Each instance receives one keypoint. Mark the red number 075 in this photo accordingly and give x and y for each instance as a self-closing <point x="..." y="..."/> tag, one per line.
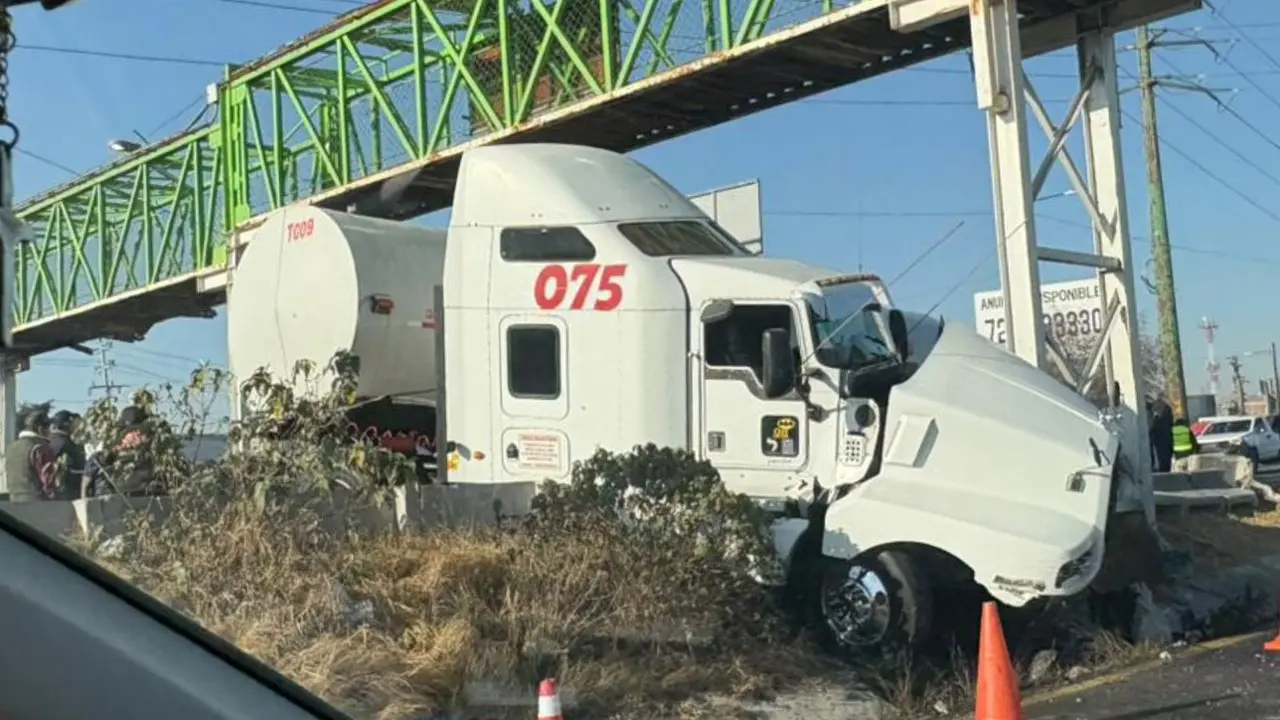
<point x="589" y="281"/>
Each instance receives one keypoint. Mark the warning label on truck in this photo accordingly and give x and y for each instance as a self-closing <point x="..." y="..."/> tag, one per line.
<point x="539" y="451"/>
<point x="780" y="436"/>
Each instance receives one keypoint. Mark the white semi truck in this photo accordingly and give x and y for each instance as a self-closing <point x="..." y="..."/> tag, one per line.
<point x="577" y="301"/>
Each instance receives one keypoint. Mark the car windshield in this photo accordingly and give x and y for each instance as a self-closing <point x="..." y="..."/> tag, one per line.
<point x="848" y="325"/>
<point x="1229" y="426"/>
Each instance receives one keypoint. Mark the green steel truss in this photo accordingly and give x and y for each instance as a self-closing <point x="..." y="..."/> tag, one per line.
<point x="389" y="83"/>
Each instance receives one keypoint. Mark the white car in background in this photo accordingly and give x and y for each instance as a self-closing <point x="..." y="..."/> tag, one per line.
<point x="1256" y="433"/>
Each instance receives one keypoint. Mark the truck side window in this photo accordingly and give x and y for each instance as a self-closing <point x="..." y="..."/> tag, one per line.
<point x="533" y="361"/>
<point x="735" y="340"/>
<point x="681" y="237"/>
<point x="545" y="244"/>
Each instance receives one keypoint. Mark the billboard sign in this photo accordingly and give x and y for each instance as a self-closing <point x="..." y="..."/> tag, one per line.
<point x="737" y="209"/>
<point x="1073" y="312"/>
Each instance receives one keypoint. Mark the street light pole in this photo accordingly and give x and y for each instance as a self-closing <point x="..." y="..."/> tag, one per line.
<point x="1275" y="381"/>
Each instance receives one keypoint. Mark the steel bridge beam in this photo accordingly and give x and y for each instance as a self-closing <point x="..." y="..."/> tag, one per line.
<point x="372" y="112"/>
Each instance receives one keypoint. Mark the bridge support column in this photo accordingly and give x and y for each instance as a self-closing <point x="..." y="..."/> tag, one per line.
<point x="1008" y="97"/>
<point x="8" y="415"/>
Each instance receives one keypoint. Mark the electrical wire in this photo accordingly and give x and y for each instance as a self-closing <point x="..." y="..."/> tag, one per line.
<point x="262" y="4"/>
<point x="1245" y="37"/>
<point x="1246" y="77"/>
<point x="42" y="159"/>
<point x="1224" y="108"/>
<point x="909" y="103"/>
<point x="185" y="109"/>
<point x="1039" y="215"/>
<point x="1223" y="143"/>
<point x="1164" y="142"/>
<point x="167" y="59"/>
<point x="880" y="213"/>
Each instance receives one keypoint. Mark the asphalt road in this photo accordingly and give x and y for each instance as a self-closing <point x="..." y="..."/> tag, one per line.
<point x="1226" y="680"/>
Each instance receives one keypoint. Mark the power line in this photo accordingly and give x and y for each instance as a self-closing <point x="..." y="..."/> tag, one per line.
<point x="47" y="161"/>
<point x="279" y="6"/>
<point x="1224" y="144"/>
<point x="1256" y="25"/>
<point x="168" y="59"/>
<point x="1062" y="75"/>
<point x="159" y="354"/>
<point x="1209" y="173"/>
<point x="881" y="213"/>
<point x="927" y="103"/>
<point x="1225" y="108"/>
<point x="1246" y="77"/>
<point x="180" y="113"/>
<point x="987" y="213"/>
<point x="143" y="371"/>
<point x="1245" y="36"/>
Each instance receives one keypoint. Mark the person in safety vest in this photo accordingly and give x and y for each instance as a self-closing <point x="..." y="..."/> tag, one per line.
<point x="29" y="462"/>
<point x="1184" y="441"/>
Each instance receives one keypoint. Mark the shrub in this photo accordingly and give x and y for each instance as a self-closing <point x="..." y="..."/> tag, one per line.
<point x="633" y="583"/>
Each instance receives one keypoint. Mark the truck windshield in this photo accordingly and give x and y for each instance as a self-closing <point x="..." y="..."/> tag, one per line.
<point x="681" y="237"/>
<point x="849" y="328"/>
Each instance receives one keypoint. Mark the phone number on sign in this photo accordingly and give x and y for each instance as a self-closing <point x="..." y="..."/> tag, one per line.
<point x="1069" y="324"/>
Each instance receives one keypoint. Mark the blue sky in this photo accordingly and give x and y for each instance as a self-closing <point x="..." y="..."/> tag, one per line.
<point x="873" y="173"/>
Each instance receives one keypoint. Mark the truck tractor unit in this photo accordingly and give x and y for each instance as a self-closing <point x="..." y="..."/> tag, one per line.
<point x="578" y="301"/>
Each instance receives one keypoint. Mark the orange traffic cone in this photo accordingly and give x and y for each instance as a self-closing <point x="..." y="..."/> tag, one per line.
<point x="1273" y="645"/>
<point x="549" y="701"/>
<point x="998" y="697"/>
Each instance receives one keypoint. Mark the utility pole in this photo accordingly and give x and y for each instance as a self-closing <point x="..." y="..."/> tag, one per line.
<point x="1161" y="254"/>
<point x="1275" y="381"/>
<point x="103" y="369"/>
<point x="1237" y="380"/>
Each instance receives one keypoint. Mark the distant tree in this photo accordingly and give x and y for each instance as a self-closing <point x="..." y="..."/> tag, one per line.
<point x="1078" y="351"/>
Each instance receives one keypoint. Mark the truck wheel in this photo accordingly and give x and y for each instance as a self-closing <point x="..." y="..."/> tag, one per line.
<point x="877" y="606"/>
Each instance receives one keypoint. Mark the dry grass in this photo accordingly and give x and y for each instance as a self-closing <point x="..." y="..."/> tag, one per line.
<point x="1218" y="541"/>
<point x="626" y="624"/>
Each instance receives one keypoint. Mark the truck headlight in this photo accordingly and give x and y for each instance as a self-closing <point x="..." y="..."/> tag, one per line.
<point x="1073" y="569"/>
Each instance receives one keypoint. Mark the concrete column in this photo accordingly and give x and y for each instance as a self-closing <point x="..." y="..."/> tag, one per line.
<point x="8" y="416"/>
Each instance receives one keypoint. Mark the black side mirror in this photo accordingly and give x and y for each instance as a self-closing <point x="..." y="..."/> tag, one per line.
<point x="849" y="385"/>
<point x="779" y="363"/>
<point x="898" y="331"/>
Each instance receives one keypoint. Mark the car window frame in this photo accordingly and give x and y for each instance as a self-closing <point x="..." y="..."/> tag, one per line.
<point x="127" y="648"/>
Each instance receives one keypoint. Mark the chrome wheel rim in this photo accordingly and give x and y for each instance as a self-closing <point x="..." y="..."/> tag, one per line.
<point x="857" y="608"/>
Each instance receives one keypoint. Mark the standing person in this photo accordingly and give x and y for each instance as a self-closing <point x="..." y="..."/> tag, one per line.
<point x="1182" y="439"/>
<point x="29" y="462"/>
<point x="69" y="454"/>
<point x="1161" y="432"/>
<point x="127" y="468"/>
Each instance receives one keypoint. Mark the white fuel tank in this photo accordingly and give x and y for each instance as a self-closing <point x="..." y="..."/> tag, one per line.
<point x="314" y="282"/>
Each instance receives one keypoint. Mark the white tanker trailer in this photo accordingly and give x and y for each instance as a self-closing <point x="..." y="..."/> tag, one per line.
<point x="322" y="283"/>
<point x="578" y="301"/>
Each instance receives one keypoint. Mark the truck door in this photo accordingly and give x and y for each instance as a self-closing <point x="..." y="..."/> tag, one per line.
<point x="534" y="397"/>
<point x="758" y="444"/>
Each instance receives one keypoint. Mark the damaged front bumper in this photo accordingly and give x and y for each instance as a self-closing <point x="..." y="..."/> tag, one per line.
<point x="1066" y="573"/>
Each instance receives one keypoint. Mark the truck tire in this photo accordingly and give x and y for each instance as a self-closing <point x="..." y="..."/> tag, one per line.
<point x="872" y="607"/>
